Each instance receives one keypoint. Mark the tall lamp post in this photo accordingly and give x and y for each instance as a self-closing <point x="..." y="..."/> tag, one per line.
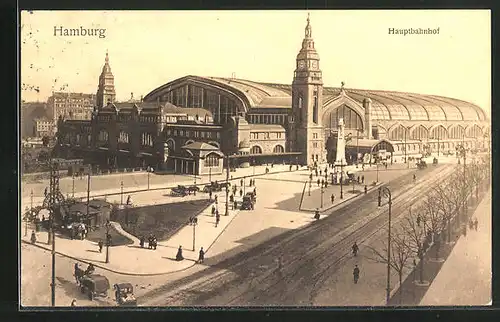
<point x="357" y="148"/>
<point x="121" y="192"/>
<point x="73" y="188"/>
<point x="386" y="193"/>
<point x="194" y="234"/>
<point x="27" y="212"/>
<point x="149" y="173"/>
<point x="108" y="240"/>
<point x="322" y="192"/>
<point x="227" y="183"/>
<point x="341" y="180"/>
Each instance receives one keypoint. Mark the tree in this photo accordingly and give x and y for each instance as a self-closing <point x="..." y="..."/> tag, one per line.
<point x="448" y="198"/>
<point x="415" y="240"/>
<point x="400" y="256"/>
<point x="433" y="220"/>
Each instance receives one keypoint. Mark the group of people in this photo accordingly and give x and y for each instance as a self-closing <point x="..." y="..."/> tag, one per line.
<point x="152" y="241"/>
<point x="201" y="255"/>
<point x="473" y="224"/>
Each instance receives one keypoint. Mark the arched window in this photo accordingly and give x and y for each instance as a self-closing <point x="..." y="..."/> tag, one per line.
<point x="398" y="133"/>
<point x="457" y="132"/>
<point x="123" y="137"/>
<point x="419" y="133"/>
<point x="279" y="149"/>
<point x="146" y="139"/>
<point x="351" y="119"/>
<point x="89" y="139"/>
<point x="78" y="138"/>
<point x="103" y="136"/>
<point x="256" y="150"/>
<point x="438" y="132"/>
<point x="212" y="160"/>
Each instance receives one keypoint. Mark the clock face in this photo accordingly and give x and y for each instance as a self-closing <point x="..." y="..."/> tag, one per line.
<point x="302" y="64"/>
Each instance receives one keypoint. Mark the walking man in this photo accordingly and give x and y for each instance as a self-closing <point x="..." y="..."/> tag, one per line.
<point x="362" y="179"/>
<point x="241" y="182"/>
<point x="100" y="244"/>
<point x="318" y="182"/>
<point x="210" y="195"/>
<point x="355" y="274"/>
<point x="332" y="198"/>
<point x="73" y="303"/>
<point x="213" y="210"/>
<point x="241" y="192"/>
<point x="366" y="189"/>
<point x="217" y="219"/>
<point x="355" y="249"/>
<point x="201" y="256"/>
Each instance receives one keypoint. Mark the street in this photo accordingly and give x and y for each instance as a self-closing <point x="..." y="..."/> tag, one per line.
<point x="308" y="257"/>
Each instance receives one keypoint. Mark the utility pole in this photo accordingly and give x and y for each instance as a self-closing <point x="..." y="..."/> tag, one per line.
<point x="322" y="192"/>
<point x="341" y="179"/>
<point x="149" y="172"/>
<point x="73" y="189"/>
<point x="88" y="191"/>
<point x="108" y="240"/>
<point x="387" y="193"/>
<point x="31" y="198"/>
<point x="377" y="168"/>
<point x="121" y="192"/>
<point x="210" y="174"/>
<point x="194" y="235"/>
<point x="227" y="187"/>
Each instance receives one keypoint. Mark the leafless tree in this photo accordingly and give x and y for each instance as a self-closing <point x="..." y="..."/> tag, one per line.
<point x="400" y="256"/>
<point x="415" y="241"/>
<point x="433" y="220"/>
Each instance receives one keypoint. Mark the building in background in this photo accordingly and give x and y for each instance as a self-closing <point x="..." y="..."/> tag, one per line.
<point x="71" y="106"/>
<point x="264" y="122"/>
<point x="43" y="127"/>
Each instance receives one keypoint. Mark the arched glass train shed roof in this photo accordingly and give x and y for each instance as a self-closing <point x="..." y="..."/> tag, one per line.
<point x="386" y="105"/>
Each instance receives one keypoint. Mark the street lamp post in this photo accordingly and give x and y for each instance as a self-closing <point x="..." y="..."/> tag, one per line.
<point x="194" y="191"/>
<point x="227" y="183"/>
<point x="194" y="235"/>
<point x="121" y="192"/>
<point x="406" y="154"/>
<point x="357" y="148"/>
<point x="108" y="240"/>
<point x="377" y="169"/>
<point x="27" y="211"/>
<point x="341" y="180"/>
<point x="149" y="172"/>
<point x="210" y="174"/>
<point x="73" y="189"/>
<point x="322" y="192"/>
<point x="387" y="194"/>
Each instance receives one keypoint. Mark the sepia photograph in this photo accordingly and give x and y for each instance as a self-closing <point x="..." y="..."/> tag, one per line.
<point x="260" y="158"/>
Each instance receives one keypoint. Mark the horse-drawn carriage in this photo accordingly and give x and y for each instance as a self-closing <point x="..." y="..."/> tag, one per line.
<point x="179" y="191"/>
<point x="216" y="186"/>
<point x="124" y="294"/>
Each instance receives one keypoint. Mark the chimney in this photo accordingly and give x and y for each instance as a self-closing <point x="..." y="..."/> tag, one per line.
<point x="367" y="105"/>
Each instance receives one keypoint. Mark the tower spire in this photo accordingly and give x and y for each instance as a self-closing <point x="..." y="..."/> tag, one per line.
<point x="308" y="32"/>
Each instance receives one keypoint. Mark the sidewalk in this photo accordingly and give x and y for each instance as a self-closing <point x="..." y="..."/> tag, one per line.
<point x="465" y="277"/>
<point x="133" y="260"/>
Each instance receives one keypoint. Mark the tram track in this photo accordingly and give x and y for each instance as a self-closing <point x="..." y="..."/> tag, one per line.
<point x="328" y="256"/>
<point x="241" y="269"/>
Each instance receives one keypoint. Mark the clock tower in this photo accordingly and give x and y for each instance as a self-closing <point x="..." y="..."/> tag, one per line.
<point x="106" y="89"/>
<point x="307" y="103"/>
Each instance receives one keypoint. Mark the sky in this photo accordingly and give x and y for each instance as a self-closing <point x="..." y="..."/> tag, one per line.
<point x="150" y="48"/>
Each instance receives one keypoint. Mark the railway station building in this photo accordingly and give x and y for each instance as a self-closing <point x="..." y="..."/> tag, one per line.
<point x="256" y="122"/>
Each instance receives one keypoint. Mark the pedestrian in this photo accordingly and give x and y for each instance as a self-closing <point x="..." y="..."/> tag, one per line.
<point x="217" y="219"/>
<point x="179" y="256"/>
<point x="475" y="224"/>
<point x="155" y="242"/>
<point x="100" y="244"/>
<point x="235" y="205"/>
<point x="355" y="274"/>
<point x="318" y="182"/>
<point x="45" y="192"/>
<point x="362" y="179"/>
<point x="201" y="256"/>
<point x="195" y="220"/>
<point x="471" y="224"/>
<point x="316" y="172"/>
<point x="366" y="189"/>
<point x="355" y="249"/>
<point x="310" y="177"/>
<point x="241" y="182"/>
<point x="320" y="172"/>
<point x="210" y="195"/>
<point x="332" y="198"/>
<point x="141" y="241"/>
<point x="33" y="237"/>
<point x="322" y="182"/>
<point x="128" y="200"/>
<point x="290" y="168"/>
<point x="316" y="214"/>
<point x="414" y="178"/>
<point x="216" y="199"/>
<point x="231" y="198"/>
<point x="272" y="165"/>
<point x="73" y="303"/>
<point x="241" y="192"/>
<point x="150" y="241"/>
<point x="297" y="167"/>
